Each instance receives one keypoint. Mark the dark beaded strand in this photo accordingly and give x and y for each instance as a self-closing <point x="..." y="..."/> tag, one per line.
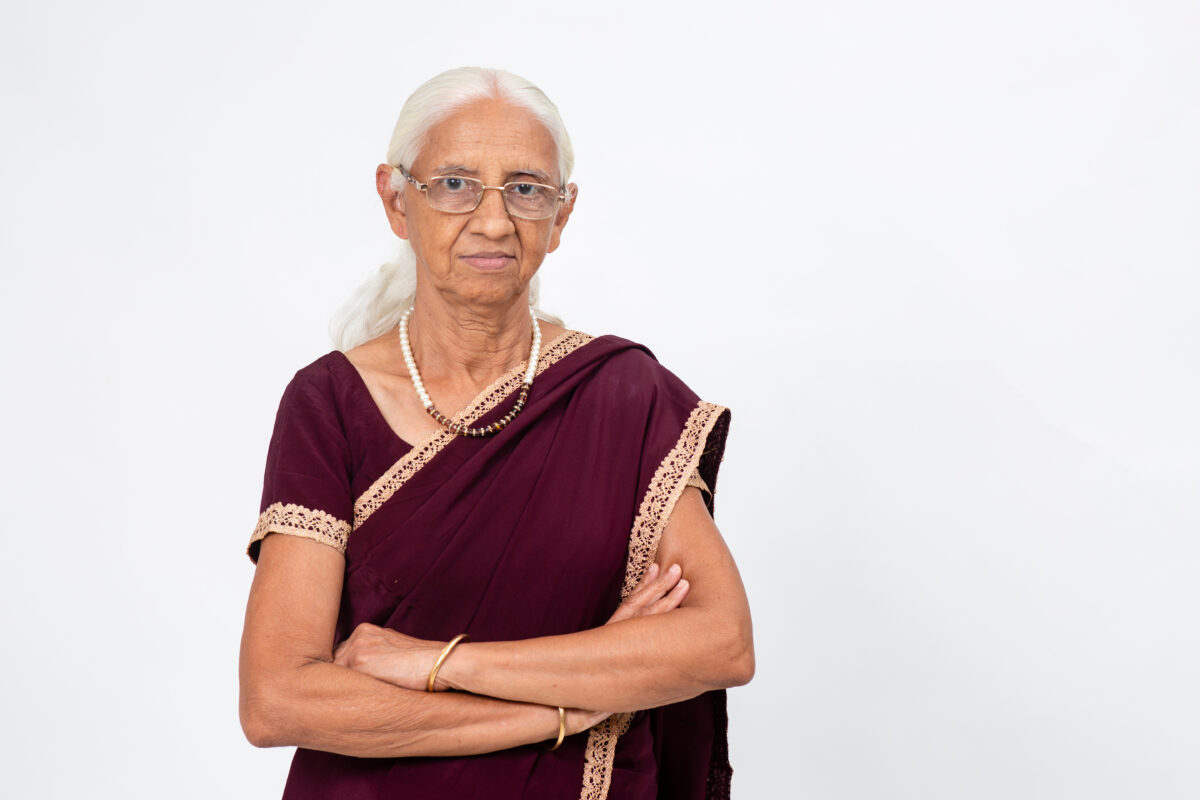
<point x="487" y="430"/>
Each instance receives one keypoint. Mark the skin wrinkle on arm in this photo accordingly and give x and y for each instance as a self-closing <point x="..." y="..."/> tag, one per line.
<point x="292" y="693"/>
<point x="339" y="710"/>
<point x="705" y="644"/>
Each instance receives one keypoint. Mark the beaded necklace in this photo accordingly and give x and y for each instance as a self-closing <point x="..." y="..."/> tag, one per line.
<point x="458" y="427"/>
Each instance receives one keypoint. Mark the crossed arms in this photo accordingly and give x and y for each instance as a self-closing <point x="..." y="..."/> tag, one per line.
<point x="672" y="639"/>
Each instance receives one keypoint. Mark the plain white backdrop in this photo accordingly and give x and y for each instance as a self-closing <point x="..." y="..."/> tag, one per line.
<point x="939" y="258"/>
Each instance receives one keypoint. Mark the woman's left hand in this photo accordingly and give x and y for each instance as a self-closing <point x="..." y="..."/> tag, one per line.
<point x="389" y="655"/>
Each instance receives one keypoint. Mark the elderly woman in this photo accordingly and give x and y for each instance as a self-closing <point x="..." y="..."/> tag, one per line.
<point x="501" y="577"/>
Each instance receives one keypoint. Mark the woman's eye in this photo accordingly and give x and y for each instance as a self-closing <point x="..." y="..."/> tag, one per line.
<point x="524" y="189"/>
<point x="454" y="184"/>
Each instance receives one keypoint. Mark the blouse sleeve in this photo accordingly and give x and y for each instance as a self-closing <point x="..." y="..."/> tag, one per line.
<point x="306" y="485"/>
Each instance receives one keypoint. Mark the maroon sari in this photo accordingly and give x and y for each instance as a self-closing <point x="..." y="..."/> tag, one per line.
<point x="539" y="530"/>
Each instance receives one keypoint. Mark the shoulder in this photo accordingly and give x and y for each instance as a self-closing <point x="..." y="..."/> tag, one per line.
<point x="317" y="370"/>
<point x="319" y="385"/>
<point x="320" y="373"/>
<point x="625" y="357"/>
<point x="631" y="370"/>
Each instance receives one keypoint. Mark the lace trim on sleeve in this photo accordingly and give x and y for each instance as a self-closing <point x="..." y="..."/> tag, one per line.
<point x="300" y="521"/>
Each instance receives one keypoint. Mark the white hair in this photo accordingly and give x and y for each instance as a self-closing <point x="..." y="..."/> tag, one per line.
<point x="376" y="305"/>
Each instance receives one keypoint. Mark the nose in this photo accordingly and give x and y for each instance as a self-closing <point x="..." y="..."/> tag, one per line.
<point x="492" y="214"/>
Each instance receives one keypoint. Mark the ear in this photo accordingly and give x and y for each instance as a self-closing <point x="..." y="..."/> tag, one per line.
<point x="560" y="219"/>
<point x="393" y="198"/>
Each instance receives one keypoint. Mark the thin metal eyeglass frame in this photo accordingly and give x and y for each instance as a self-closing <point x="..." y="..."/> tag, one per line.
<point x="424" y="187"/>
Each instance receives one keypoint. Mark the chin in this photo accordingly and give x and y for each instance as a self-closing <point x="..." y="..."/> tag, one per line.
<point x="494" y="294"/>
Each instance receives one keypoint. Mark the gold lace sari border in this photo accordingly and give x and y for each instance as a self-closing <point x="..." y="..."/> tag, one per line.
<point x="423" y="452"/>
<point x="669" y="480"/>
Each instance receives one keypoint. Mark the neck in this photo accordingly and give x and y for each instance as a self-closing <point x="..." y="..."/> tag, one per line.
<point x="468" y="347"/>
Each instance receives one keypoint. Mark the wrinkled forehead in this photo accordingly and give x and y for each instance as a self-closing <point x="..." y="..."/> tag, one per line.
<point x="491" y="140"/>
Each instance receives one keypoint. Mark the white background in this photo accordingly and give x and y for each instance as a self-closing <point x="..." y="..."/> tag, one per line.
<point x="939" y="258"/>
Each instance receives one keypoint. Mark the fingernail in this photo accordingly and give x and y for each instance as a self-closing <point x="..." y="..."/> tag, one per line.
<point x="683" y="582"/>
<point x="653" y="568"/>
<point x="675" y="568"/>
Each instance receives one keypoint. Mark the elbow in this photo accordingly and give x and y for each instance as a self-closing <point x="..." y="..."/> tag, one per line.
<point x="728" y="653"/>
<point x="269" y="701"/>
<point x="743" y="667"/>
<point x="741" y="656"/>
<point x="259" y="721"/>
<point x="258" y="734"/>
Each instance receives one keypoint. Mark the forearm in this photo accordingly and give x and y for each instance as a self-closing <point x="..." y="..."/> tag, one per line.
<point x="625" y="666"/>
<point x="324" y="706"/>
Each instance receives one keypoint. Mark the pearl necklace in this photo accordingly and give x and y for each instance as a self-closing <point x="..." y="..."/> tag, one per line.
<point x="459" y="427"/>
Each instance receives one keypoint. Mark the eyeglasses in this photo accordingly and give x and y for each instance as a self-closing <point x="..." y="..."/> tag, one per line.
<point x="458" y="195"/>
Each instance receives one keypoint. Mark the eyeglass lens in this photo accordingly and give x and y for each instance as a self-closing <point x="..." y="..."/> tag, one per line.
<point x="458" y="195"/>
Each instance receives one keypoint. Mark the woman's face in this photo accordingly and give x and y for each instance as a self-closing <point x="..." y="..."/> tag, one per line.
<point x="485" y="257"/>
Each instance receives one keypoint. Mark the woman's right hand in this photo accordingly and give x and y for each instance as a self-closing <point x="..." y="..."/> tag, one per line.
<point x="657" y="593"/>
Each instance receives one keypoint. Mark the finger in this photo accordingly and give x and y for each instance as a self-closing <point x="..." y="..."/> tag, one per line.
<point x="672" y="599"/>
<point x="658" y="583"/>
<point x="631" y="607"/>
<point x="644" y="591"/>
<point x="657" y="589"/>
<point x="666" y="580"/>
<point x="670" y="576"/>
<point x="649" y="590"/>
<point x="646" y="581"/>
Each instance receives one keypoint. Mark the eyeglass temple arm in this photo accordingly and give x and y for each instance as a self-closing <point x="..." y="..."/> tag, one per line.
<point x="410" y="178"/>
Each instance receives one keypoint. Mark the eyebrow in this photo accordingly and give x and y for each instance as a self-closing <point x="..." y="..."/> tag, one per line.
<point x="537" y="174"/>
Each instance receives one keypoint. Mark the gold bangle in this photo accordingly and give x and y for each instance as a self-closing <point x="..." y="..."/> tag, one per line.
<point x="462" y="637"/>
<point x="562" y="726"/>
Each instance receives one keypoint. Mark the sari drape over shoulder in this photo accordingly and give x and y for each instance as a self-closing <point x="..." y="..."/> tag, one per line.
<point x="539" y="530"/>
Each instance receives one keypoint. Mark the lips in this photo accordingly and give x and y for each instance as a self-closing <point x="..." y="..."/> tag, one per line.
<point x="490" y="260"/>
